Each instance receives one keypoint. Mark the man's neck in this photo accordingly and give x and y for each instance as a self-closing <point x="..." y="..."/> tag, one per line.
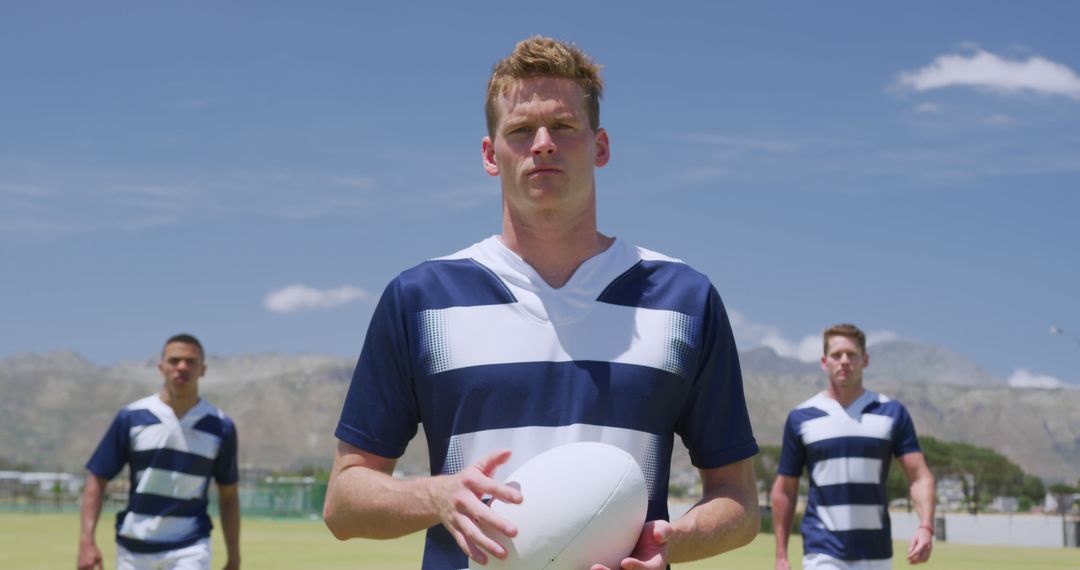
<point x="180" y="404"/>
<point x="555" y="250"/>
<point x="845" y="397"/>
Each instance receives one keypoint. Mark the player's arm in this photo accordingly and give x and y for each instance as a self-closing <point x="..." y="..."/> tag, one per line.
<point x="365" y="500"/>
<point x="784" y="495"/>
<point x="229" y="510"/>
<point x="93" y="496"/>
<point x="921" y="482"/>
<point x="726" y="517"/>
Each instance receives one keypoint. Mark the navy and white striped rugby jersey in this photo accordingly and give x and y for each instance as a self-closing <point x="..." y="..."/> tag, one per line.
<point x="847" y="453"/>
<point x="171" y="463"/>
<point x="478" y="348"/>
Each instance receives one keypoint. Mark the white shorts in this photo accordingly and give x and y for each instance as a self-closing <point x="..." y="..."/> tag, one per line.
<point x="194" y="557"/>
<point x="819" y="561"/>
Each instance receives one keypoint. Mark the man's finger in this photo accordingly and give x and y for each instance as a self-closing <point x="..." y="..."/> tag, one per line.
<point x="480" y="534"/>
<point x="489" y="464"/>
<point x="481" y="514"/>
<point x="662" y="531"/>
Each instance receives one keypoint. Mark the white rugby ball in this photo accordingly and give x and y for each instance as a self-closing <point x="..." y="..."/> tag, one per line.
<point x="584" y="503"/>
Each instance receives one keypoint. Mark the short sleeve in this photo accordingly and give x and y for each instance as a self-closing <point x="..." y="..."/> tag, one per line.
<point x="904" y="438"/>
<point x="715" y="424"/>
<point x="792" y="452"/>
<point x="380" y="414"/>
<point x="226" y="470"/>
<point x="112" y="452"/>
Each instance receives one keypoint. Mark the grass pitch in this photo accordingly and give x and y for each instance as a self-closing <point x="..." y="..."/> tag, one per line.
<point x="46" y="541"/>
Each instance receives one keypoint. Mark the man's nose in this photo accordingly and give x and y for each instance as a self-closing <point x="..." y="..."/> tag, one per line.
<point x="542" y="142"/>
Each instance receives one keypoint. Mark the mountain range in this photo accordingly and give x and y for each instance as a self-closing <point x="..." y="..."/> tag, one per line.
<point x="56" y="406"/>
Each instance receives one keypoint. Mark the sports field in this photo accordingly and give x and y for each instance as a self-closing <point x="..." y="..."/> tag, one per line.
<point x="50" y="541"/>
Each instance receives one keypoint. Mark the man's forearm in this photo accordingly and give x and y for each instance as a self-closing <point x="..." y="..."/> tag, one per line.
<point x="922" y="494"/>
<point x="783" y="512"/>
<point x="784" y="495"/>
<point x="365" y="503"/>
<point x="229" y="509"/>
<point x="91" y="508"/>
<point x="726" y="518"/>
<point x="714" y="525"/>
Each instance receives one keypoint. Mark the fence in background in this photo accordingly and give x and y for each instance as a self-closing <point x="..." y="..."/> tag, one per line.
<point x="275" y="497"/>
<point x="1048" y="530"/>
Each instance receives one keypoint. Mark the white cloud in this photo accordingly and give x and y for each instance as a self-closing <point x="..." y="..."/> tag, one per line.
<point x="807" y="350"/>
<point x="984" y="70"/>
<point x="998" y="120"/>
<point x="1022" y="378"/>
<point x="749" y="334"/>
<point x="928" y="108"/>
<point x="874" y="337"/>
<point x="301" y="297"/>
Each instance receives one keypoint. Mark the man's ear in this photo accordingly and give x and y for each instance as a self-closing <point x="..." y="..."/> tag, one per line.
<point x="603" y="148"/>
<point x="487" y="149"/>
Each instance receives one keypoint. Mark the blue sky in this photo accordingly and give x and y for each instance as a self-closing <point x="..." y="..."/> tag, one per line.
<point x="255" y="173"/>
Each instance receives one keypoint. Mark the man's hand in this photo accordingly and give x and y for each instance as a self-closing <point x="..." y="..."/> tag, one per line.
<point x="650" y="552"/>
<point x="783" y="564"/>
<point x="464" y="514"/>
<point x="231" y="564"/>
<point x="89" y="557"/>
<point x="922" y="542"/>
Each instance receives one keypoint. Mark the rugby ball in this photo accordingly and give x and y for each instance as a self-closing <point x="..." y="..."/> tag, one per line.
<point x="583" y="503"/>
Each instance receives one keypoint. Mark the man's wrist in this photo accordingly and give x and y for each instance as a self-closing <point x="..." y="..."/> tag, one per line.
<point x="927" y="528"/>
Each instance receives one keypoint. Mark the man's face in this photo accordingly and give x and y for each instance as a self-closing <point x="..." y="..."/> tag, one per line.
<point x="844" y="362"/>
<point x="544" y="150"/>
<point x="181" y="366"/>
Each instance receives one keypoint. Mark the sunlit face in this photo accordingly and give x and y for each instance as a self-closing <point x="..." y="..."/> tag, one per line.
<point x="844" y="362"/>
<point x="544" y="150"/>
<point x="181" y="366"/>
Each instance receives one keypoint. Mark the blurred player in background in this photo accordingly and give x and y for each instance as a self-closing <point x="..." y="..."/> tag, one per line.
<point x="174" y="443"/>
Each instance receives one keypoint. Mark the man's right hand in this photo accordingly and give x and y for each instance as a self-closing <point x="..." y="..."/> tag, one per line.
<point x="783" y="564"/>
<point x="89" y="557"/>
<point x="463" y="512"/>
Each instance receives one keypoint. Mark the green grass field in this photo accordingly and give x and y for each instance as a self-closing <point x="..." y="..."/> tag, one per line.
<point x="50" y="541"/>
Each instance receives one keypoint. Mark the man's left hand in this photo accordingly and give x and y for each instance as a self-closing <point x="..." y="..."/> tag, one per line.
<point x="651" y="550"/>
<point x="921" y="544"/>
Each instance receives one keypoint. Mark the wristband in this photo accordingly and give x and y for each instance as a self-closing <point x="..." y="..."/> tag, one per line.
<point x="928" y="528"/>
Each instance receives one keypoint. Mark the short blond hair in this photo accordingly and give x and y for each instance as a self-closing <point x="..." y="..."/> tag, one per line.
<point x="844" y="329"/>
<point x="545" y="57"/>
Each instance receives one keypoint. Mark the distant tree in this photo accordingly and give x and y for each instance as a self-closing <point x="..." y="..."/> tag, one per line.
<point x="1032" y="492"/>
<point x="1062" y="492"/>
<point x="319" y="472"/>
<point x="679" y="490"/>
<point x="982" y="472"/>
